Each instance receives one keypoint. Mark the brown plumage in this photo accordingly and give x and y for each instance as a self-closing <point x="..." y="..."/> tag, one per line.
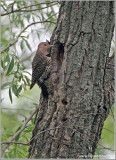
<point x="41" y="65"/>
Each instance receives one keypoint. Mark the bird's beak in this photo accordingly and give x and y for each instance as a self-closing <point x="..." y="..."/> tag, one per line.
<point x="51" y="46"/>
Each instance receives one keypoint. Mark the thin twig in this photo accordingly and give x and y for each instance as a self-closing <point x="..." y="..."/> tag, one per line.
<point x="30" y="5"/>
<point x="10" y="44"/>
<point x="59" y="126"/>
<point x="16" y="109"/>
<point x="108" y="130"/>
<point x="14" y="143"/>
<point x="37" y="4"/>
<point x="22" y="128"/>
<point x="4" y="8"/>
<point x="20" y="10"/>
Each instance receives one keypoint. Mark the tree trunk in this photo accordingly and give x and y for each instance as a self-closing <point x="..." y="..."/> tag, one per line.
<point x="69" y="123"/>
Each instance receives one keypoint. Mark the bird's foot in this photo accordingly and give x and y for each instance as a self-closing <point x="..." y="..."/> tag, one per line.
<point x="41" y="80"/>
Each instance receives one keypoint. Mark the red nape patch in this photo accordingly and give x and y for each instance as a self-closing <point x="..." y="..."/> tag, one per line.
<point x="38" y="45"/>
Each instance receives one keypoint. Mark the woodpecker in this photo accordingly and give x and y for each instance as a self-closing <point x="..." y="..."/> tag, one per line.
<point x="41" y="65"/>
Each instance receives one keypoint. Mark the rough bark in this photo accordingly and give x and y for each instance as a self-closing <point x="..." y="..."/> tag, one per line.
<point x="69" y="123"/>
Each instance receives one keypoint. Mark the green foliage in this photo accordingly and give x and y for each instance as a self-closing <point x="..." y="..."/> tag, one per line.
<point x="10" y="67"/>
<point x="107" y="137"/>
<point x="9" y="127"/>
<point x="10" y="95"/>
<point x="4" y="39"/>
<point x="12" y="121"/>
<point x="14" y="70"/>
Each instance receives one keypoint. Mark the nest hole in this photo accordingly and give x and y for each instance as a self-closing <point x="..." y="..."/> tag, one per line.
<point x="60" y="55"/>
<point x="64" y="102"/>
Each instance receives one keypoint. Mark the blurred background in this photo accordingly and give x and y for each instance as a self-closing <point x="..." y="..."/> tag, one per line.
<point x="23" y="26"/>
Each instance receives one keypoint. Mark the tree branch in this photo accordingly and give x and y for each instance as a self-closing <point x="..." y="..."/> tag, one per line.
<point x="15" y="143"/>
<point x="37" y="4"/>
<point x="20" y="10"/>
<point x="4" y="8"/>
<point x="59" y="126"/>
<point x="16" y="109"/>
<point x="17" y="133"/>
<point x="10" y="44"/>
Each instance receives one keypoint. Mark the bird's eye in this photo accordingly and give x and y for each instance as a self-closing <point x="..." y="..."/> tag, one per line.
<point x="44" y="44"/>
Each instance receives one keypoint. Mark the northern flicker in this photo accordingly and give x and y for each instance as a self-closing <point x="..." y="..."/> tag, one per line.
<point x="41" y="65"/>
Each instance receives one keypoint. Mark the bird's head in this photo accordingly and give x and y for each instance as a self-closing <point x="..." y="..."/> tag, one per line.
<point x="44" y="47"/>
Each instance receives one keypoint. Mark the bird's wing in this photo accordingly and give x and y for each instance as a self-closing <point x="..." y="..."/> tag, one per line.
<point x="38" y="67"/>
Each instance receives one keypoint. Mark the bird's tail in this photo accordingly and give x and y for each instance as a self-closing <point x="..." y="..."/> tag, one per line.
<point x="44" y="89"/>
<point x="32" y="84"/>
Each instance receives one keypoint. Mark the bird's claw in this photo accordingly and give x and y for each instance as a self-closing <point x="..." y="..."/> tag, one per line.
<point x="41" y="80"/>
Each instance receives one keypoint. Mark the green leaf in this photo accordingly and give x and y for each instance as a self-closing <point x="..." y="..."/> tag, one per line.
<point x="18" y="128"/>
<point x="17" y="138"/>
<point x="28" y="45"/>
<point x="7" y="50"/>
<point x="14" y="89"/>
<point x="24" y="82"/>
<point x="7" y="58"/>
<point x="5" y="137"/>
<point x="22" y="24"/>
<point x="35" y="104"/>
<point x="22" y="45"/>
<point x="39" y="6"/>
<point x="19" y="89"/>
<point x="28" y="17"/>
<point x="23" y="115"/>
<point x="2" y="64"/>
<point x="27" y="72"/>
<point x="16" y="56"/>
<point x="20" y="77"/>
<point x="22" y="67"/>
<point x="24" y="3"/>
<point x="5" y="84"/>
<point x="10" y="95"/>
<point x="18" y="65"/>
<point x="32" y="120"/>
<point x="33" y="18"/>
<point x="23" y="37"/>
<point x="28" y="80"/>
<point x="11" y="65"/>
<point x="38" y="35"/>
